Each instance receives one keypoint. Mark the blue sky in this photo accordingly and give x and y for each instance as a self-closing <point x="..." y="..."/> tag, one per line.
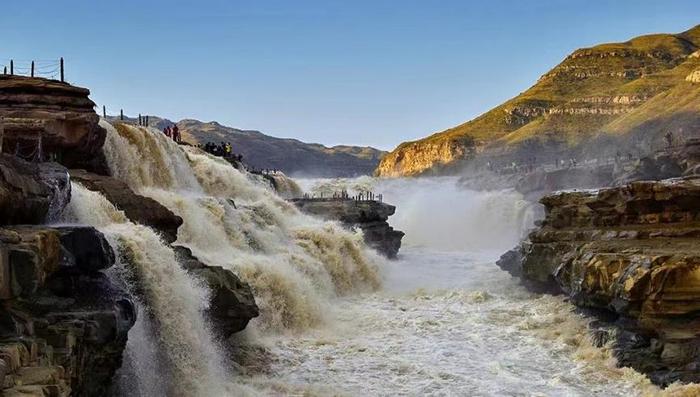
<point x="352" y="72"/>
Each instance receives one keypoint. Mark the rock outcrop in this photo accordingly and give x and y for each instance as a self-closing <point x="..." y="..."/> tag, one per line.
<point x="48" y="119"/>
<point x="64" y="324"/>
<point x="140" y="209"/>
<point x="370" y="216"/>
<point x="232" y="304"/>
<point x="631" y="254"/>
<point x="31" y="193"/>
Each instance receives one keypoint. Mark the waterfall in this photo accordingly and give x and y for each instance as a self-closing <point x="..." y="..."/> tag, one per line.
<point x="172" y="320"/>
<point x="438" y="213"/>
<point x="294" y="263"/>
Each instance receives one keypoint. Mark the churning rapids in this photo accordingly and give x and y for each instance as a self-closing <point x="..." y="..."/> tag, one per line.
<point x="336" y="319"/>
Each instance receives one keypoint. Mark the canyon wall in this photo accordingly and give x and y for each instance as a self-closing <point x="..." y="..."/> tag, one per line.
<point x="630" y="255"/>
<point x="617" y="96"/>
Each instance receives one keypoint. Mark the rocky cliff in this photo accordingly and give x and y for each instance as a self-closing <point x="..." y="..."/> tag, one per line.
<point x="46" y="119"/>
<point x="631" y="255"/>
<point x="63" y="322"/>
<point x="631" y="92"/>
<point x="370" y="216"/>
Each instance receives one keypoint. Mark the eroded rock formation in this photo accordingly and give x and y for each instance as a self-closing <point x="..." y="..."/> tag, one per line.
<point x="48" y="119"/>
<point x="632" y="253"/>
<point x="64" y="324"/>
<point x="370" y="216"/>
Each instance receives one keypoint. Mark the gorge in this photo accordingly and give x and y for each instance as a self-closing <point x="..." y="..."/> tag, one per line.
<point x="134" y="265"/>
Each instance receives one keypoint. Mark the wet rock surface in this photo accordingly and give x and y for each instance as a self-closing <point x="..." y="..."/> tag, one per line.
<point x="231" y="304"/>
<point x="64" y="324"/>
<point x="140" y="209"/>
<point x="31" y="193"/>
<point x="370" y="216"/>
<point x="632" y="253"/>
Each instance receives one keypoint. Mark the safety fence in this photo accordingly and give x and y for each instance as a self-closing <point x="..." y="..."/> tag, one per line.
<point x="46" y="68"/>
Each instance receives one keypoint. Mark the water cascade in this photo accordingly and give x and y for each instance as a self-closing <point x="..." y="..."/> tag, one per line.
<point x="172" y="320"/>
<point x="293" y="262"/>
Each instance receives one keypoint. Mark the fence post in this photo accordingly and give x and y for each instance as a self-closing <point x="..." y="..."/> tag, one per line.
<point x="121" y="114"/>
<point x="104" y="111"/>
<point x="62" y="76"/>
<point x="146" y="120"/>
<point x="4" y="71"/>
<point x="32" y="68"/>
<point x="12" y="67"/>
<point x="139" y="118"/>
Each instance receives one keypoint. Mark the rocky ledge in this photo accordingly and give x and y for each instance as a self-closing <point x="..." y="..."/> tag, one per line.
<point x="140" y="209"/>
<point x="370" y="216"/>
<point x="43" y="119"/>
<point x="630" y="255"/>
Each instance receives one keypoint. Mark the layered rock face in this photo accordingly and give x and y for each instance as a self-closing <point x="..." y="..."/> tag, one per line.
<point x="43" y="118"/>
<point x="633" y="91"/>
<point x="370" y="216"/>
<point x="64" y="324"/>
<point x="631" y="253"/>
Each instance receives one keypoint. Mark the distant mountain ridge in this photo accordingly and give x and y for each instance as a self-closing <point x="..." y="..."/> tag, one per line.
<point x="291" y="156"/>
<point x="261" y="151"/>
<point x="637" y="89"/>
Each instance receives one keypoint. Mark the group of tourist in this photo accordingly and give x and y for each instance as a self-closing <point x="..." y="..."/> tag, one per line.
<point x="344" y="195"/>
<point x="223" y="149"/>
<point x="173" y="133"/>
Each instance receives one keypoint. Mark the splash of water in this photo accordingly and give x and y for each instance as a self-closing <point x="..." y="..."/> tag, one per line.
<point x="293" y="262"/>
<point x="437" y="213"/>
<point x="174" y="314"/>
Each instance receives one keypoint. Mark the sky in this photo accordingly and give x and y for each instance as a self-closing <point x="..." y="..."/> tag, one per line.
<point x="334" y="72"/>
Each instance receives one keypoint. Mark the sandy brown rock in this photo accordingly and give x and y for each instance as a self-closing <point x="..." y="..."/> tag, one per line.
<point x="59" y="115"/>
<point x="632" y="252"/>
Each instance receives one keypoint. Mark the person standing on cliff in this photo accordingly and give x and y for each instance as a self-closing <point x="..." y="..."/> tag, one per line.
<point x="176" y="133"/>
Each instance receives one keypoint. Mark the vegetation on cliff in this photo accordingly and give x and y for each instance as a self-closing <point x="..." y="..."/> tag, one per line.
<point x="641" y="87"/>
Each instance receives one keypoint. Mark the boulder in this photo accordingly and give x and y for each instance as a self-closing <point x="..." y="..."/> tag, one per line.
<point x="63" y="323"/>
<point x="30" y="192"/>
<point x="630" y="254"/>
<point x="370" y="216"/>
<point x="48" y="119"/>
<point x="139" y="209"/>
<point x="232" y="304"/>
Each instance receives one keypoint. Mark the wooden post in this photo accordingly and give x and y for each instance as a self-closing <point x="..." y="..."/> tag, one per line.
<point x="62" y="75"/>
<point x="4" y="71"/>
<point x="146" y="120"/>
<point x="104" y="111"/>
<point x="121" y="114"/>
<point x="32" y="68"/>
<point x="139" y="118"/>
<point x="12" y="67"/>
